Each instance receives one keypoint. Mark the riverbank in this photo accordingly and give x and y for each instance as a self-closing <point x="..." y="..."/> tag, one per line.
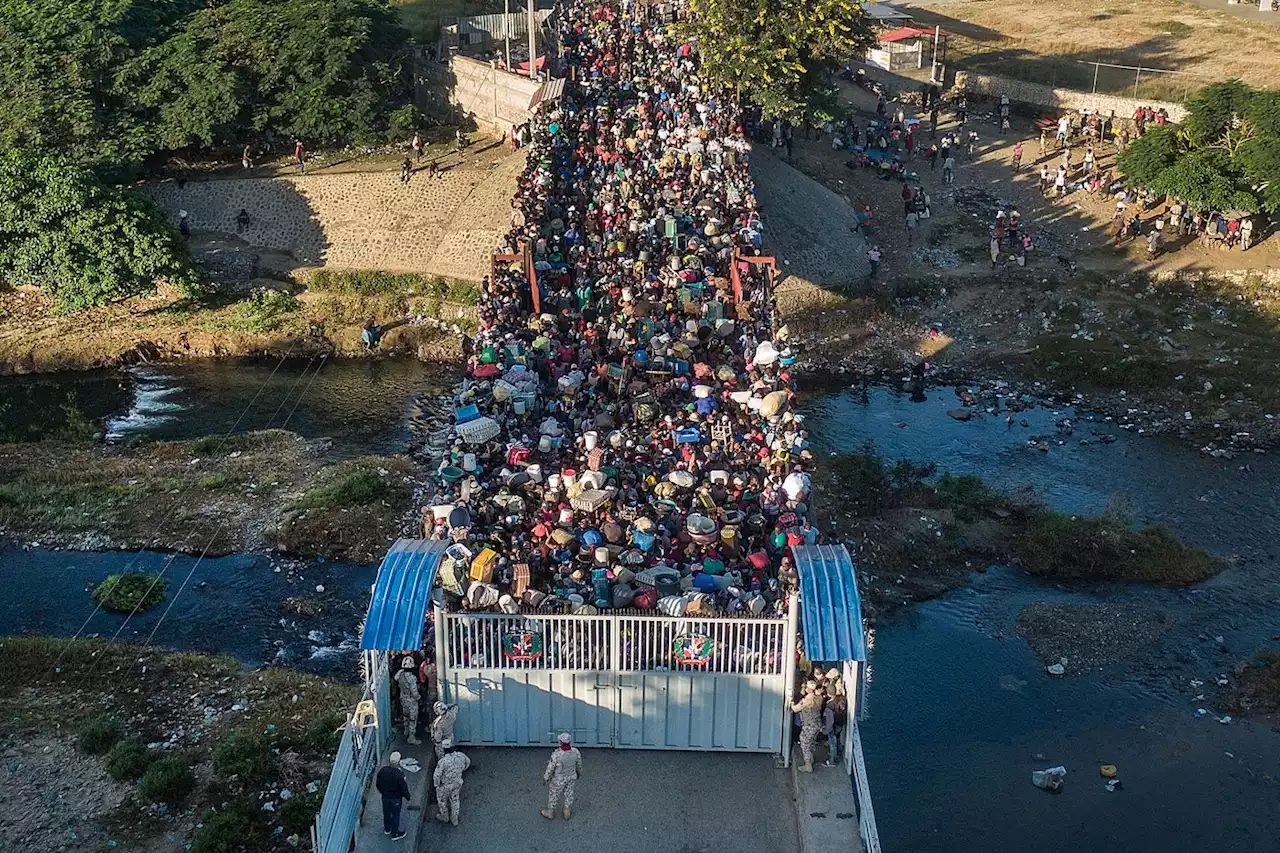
<point x="268" y="490"/>
<point x="1195" y="358"/>
<point x="424" y="318"/>
<point x="226" y="757"/>
<point x="916" y="537"/>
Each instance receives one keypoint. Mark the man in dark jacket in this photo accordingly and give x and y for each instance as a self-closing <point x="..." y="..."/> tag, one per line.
<point x="394" y="789"/>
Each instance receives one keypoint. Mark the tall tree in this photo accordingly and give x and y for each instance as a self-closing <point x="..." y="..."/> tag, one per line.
<point x="81" y="241"/>
<point x="776" y="53"/>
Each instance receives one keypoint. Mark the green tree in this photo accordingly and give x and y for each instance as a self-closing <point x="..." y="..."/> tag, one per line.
<point x="115" y="81"/>
<point x="323" y="70"/>
<point x="1149" y="155"/>
<point x="776" y="53"/>
<point x="83" y="242"/>
<point x="1213" y="110"/>
<point x="1203" y="179"/>
<point x="1224" y="156"/>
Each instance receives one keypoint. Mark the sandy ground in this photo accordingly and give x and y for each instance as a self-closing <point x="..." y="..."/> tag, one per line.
<point x="1202" y="43"/>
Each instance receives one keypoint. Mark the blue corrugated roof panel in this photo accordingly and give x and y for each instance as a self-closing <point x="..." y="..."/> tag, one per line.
<point x="401" y="595"/>
<point x="830" y="609"/>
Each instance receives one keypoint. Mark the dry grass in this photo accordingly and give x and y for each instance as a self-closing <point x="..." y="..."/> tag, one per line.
<point x="1164" y="34"/>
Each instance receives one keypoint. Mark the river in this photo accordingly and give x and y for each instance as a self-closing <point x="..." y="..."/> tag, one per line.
<point x="365" y="405"/>
<point x="960" y="711"/>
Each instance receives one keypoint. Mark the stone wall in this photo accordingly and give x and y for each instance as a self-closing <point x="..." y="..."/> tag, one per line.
<point x="448" y="226"/>
<point x="494" y="98"/>
<point x="1063" y="99"/>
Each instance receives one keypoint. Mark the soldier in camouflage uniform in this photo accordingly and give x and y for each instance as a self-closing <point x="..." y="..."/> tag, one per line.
<point x="448" y="782"/>
<point x="442" y="727"/>
<point x="562" y="772"/>
<point x="410" y="696"/>
<point x="810" y="710"/>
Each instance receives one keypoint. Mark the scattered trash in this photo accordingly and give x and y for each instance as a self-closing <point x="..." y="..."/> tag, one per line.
<point x="1226" y="721"/>
<point x="319" y="587"/>
<point x="1195" y="682"/>
<point x="1049" y="780"/>
<point x="1229" y="754"/>
<point x="1108" y="771"/>
<point x="1056" y="669"/>
<point x="1200" y="712"/>
<point x="1114" y="785"/>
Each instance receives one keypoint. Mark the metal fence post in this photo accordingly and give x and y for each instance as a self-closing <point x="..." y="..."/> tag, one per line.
<point x="1137" y="77"/>
<point x="1096" y="66"/>
<point x="789" y="679"/>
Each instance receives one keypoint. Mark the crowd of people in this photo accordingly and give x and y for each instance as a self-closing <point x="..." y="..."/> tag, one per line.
<point x="632" y="442"/>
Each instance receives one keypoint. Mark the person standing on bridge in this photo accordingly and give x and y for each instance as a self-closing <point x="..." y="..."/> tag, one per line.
<point x="448" y="782"/>
<point x="442" y="727"/>
<point x="563" y="770"/>
<point x="394" y="789"/>
<point x="810" y="710"/>
<point x="410" y="697"/>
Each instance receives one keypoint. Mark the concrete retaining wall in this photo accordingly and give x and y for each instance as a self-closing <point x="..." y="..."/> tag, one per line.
<point x="496" y="99"/>
<point x="1063" y="99"/>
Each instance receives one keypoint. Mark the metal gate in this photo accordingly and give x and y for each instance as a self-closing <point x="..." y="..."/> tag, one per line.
<point x="629" y="681"/>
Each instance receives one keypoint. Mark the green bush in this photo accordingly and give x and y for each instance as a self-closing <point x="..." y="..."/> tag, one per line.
<point x="296" y="815"/>
<point x="967" y="495"/>
<point x="324" y="734"/>
<point x="246" y="757"/>
<point x="353" y="483"/>
<point x="264" y="310"/>
<point x="227" y="831"/>
<point x="168" y="780"/>
<point x="129" y="759"/>
<point x="98" y="735"/>
<point x="83" y="242"/>
<point x="378" y="283"/>
<point x="1107" y="547"/>
<point x="131" y="592"/>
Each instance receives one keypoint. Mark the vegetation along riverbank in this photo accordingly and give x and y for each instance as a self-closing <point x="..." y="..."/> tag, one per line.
<point x="917" y="535"/>
<point x="118" y="746"/>
<point x="214" y="495"/>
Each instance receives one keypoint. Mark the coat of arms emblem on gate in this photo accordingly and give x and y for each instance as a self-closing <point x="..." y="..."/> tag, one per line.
<point x="692" y="649"/>
<point x="521" y="645"/>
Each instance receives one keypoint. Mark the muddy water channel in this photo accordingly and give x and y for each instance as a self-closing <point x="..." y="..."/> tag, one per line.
<point x="961" y="711"/>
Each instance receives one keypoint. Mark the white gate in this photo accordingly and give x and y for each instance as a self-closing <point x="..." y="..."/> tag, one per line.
<point x="630" y="681"/>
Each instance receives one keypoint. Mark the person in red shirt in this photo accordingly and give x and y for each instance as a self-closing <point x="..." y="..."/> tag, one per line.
<point x="298" y="152"/>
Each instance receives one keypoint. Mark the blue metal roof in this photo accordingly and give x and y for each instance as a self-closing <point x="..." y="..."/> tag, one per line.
<point x="401" y="595"/>
<point x="830" y="609"/>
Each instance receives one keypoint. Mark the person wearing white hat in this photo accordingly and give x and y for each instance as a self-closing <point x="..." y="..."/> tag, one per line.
<point x="563" y="770"/>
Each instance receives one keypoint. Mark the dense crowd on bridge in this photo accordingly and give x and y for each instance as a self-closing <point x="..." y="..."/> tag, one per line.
<point x="632" y="442"/>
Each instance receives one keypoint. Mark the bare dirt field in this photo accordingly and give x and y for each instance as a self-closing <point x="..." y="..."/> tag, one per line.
<point x="1033" y="42"/>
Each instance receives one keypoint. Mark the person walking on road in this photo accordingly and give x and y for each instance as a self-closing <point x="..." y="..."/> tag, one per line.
<point x="810" y="710"/>
<point x="394" y="789"/>
<point x="563" y="770"/>
<point x="448" y="782"/>
<point x="410" y="697"/>
<point x="442" y="727"/>
<point x="1017" y="158"/>
<point x="873" y="258"/>
<point x="246" y="157"/>
<point x="299" y="155"/>
<point x="417" y="145"/>
<point x="949" y="170"/>
<point x="406" y="171"/>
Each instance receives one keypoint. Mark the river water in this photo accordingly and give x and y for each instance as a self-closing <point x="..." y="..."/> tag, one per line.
<point x="365" y="405"/>
<point x="960" y="711"/>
